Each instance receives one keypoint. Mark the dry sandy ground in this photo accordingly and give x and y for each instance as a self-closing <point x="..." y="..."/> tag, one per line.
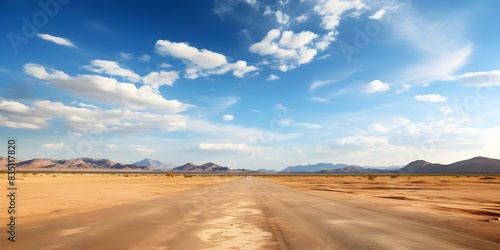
<point x="257" y="213"/>
<point x="49" y="195"/>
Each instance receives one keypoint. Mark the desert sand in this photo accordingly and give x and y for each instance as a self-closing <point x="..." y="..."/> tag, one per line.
<point x="214" y="212"/>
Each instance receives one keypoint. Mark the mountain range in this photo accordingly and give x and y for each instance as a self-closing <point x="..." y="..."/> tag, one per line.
<point x="207" y="167"/>
<point x="79" y="164"/>
<point x="476" y="165"/>
<point x="153" y="164"/>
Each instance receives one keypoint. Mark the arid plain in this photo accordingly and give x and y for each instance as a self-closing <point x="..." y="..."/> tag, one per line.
<point x="139" y="211"/>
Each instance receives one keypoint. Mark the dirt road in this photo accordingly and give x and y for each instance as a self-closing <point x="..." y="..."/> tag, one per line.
<point x="249" y="213"/>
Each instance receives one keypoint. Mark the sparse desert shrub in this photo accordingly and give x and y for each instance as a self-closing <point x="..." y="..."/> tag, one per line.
<point x="188" y="176"/>
<point x="372" y="177"/>
<point x="394" y="176"/>
<point x="125" y="175"/>
<point x="54" y="175"/>
<point x="170" y="174"/>
<point x="488" y="178"/>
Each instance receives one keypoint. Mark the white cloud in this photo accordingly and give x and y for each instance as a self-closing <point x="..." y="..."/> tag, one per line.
<point x="227" y="117"/>
<point x="325" y="40"/>
<point x="430" y="98"/>
<point x="267" y="11"/>
<point x="74" y="134"/>
<point x="302" y="18"/>
<point x="273" y="77"/>
<point x="378" y="15"/>
<point x="319" y="99"/>
<point x="57" y="40"/>
<point x="252" y="3"/>
<point x="283" y="3"/>
<point x="125" y="55"/>
<point x="13" y="107"/>
<point x="53" y="145"/>
<point x="290" y="51"/>
<point x="282" y="18"/>
<point x="375" y="86"/>
<point x="316" y="84"/>
<point x="143" y="149"/>
<point x="165" y="65"/>
<point x="401" y="120"/>
<point x="202" y="62"/>
<point x="483" y="78"/>
<point x="145" y="58"/>
<point x="112" y="68"/>
<point x="79" y="119"/>
<point x="379" y="127"/>
<point x="104" y="89"/>
<point x="331" y="11"/>
<point x="359" y="140"/>
<point x="240" y="147"/>
<point x="404" y="88"/>
<point x="157" y="79"/>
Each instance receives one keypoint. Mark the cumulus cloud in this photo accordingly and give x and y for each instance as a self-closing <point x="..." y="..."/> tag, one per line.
<point x="281" y="17"/>
<point x="331" y="11"/>
<point x="227" y="117"/>
<point x="13" y="107"/>
<point x="360" y="140"/>
<point x="157" y="79"/>
<point x="379" y="127"/>
<point x="252" y="3"/>
<point x="145" y="58"/>
<point x="53" y="145"/>
<point x="79" y="119"/>
<point x="273" y="77"/>
<point x="56" y="40"/>
<point x="430" y="98"/>
<point x="201" y="62"/>
<point x="125" y="55"/>
<point x="302" y="18"/>
<point x="112" y="68"/>
<point x="288" y="48"/>
<point x="375" y="86"/>
<point x="482" y="78"/>
<point x="105" y="89"/>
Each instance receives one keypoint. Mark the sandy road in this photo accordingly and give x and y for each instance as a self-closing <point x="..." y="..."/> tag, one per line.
<point x="249" y="213"/>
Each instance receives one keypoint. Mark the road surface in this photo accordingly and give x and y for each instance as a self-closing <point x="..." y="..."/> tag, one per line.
<point x="248" y="213"/>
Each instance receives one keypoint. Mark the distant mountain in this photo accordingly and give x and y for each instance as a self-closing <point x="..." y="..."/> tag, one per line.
<point x="476" y="165"/>
<point x="207" y="167"/>
<point x="266" y="170"/>
<point x="153" y="164"/>
<point x="313" y="168"/>
<point x="353" y="170"/>
<point x="79" y="164"/>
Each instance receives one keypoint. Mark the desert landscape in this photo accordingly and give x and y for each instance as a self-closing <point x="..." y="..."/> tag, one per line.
<point x="201" y="211"/>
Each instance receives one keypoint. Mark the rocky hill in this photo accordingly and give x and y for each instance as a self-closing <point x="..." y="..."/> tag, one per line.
<point x="209" y="167"/>
<point x="476" y="165"/>
<point x="153" y="164"/>
<point x="79" y="164"/>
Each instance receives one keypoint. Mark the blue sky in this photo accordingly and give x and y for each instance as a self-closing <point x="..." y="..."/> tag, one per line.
<point x="251" y="84"/>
